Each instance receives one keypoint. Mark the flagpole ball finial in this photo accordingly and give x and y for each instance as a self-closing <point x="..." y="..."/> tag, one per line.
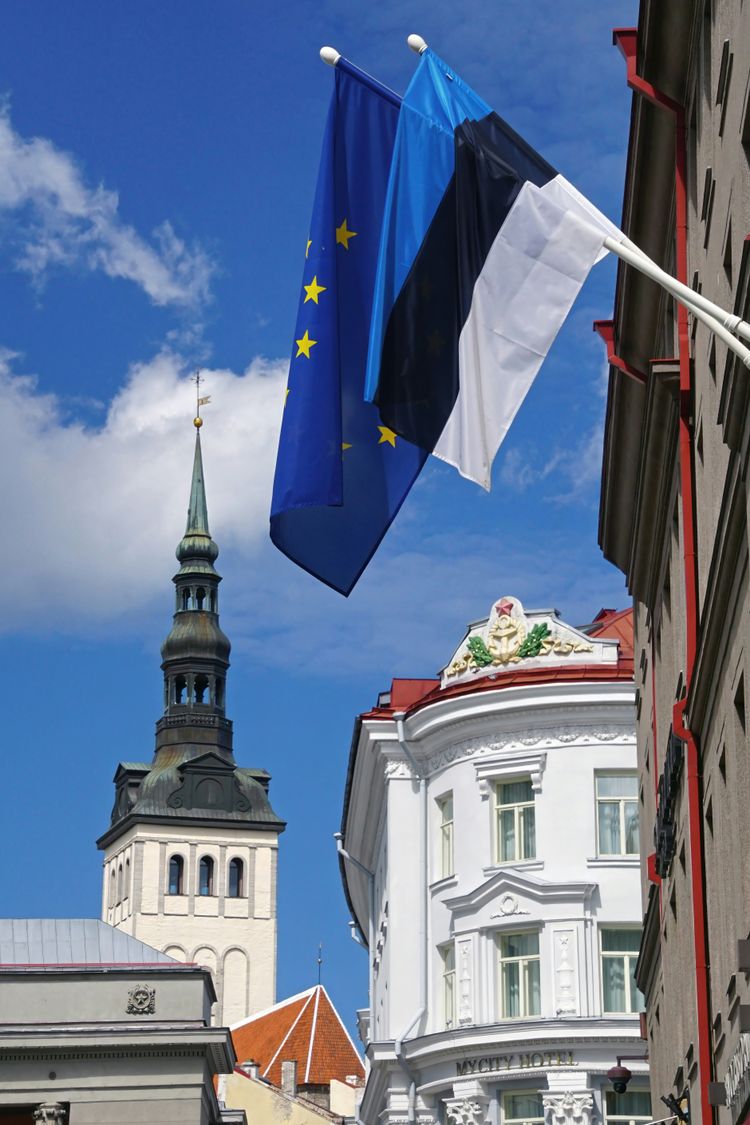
<point x="417" y="44"/>
<point x="197" y="422"/>
<point x="329" y="55"/>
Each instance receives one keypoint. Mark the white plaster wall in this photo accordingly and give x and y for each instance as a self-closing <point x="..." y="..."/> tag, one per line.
<point x="235" y="937"/>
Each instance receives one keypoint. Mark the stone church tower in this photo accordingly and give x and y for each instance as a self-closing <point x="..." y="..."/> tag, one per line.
<point x="190" y="854"/>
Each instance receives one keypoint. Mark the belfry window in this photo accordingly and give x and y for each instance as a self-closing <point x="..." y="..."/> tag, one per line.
<point x="180" y="689"/>
<point x="236" y="880"/>
<point x="200" y="597"/>
<point x="201" y="689"/>
<point x="206" y="876"/>
<point x="212" y="601"/>
<point x="176" y="874"/>
<point x="186" y="598"/>
<point x="219" y="692"/>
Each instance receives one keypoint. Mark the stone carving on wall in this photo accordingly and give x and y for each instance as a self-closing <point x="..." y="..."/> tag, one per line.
<point x="141" y="1001"/>
<point x="466" y="1111"/>
<point x="581" y="733"/>
<point x="566" y="974"/>
<point x="465" y="958"/>
<point x="569" y="1108"/>
<point x="49" y="1113"/>
<point x="508" y="905"/>
<point x="509" y="638"/>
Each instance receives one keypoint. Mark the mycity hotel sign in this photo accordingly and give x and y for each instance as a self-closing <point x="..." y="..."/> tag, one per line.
<point x="737" y="1078"/>
<point x="490" y="1064"/>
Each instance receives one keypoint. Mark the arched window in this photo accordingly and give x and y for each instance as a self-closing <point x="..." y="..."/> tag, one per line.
<point x="201" y="689"/>
<point x="119" y="883"/>
<point x="206" y="876"/>
<point x="212" y="601"/>
<point x="186" y="598"/>
<point x="176" y="873"/>
<point x="126" y="891"/>
<point x="200" y="597"/>
<point x="112" y="887"/>
<point x="180" y="688"/>
<point x="219" y="692"/>
<point x="236" y="889"/>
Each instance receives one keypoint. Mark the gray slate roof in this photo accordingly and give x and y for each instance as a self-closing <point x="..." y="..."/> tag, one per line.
<point x="71" y="941"/>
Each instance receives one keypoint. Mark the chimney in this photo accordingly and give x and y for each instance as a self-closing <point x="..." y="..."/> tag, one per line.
<point x="251" y="1069"/>
<point x="289" y="1078"/>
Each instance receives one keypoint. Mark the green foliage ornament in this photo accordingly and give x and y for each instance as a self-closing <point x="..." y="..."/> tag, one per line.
<point x="532" y="645"/>
<point x="481" y="655"/>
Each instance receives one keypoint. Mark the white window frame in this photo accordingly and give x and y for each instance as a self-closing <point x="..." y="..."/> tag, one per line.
<point x="622" y="1119"/>
<point x="523" y="963"/>
<point x="445" y="857"/>
<point x="628" y="955"/>
<point x="622" y="801"/>
<point x="448" y="984"/>
<point x="521" y="1120"/>
<point x="517" y="808"/>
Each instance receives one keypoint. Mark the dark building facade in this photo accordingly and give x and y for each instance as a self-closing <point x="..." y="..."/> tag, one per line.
<point x="674" y="519"/>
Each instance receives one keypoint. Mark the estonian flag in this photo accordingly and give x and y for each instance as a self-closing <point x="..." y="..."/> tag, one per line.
<point x="483" y="251"/>
<point x="341" y="474"/>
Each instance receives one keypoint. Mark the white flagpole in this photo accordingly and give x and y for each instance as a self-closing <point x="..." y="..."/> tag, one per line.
<point x="716" y="319"/>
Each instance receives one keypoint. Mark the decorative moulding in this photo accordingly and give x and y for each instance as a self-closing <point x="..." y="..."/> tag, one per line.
<point x="141" y="1001"/>
<point x="489" y="770"/>
<point x="582" y="734"/>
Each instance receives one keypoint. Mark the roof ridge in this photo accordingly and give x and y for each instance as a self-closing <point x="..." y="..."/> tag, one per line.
<point x="313" y="1029"/>
<point x="342" y="1025"/>
<point x="277" y="1007"/>
<point x="296" y="1020"/>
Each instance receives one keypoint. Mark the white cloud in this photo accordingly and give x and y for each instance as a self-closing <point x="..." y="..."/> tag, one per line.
<point x="576" y="470"/>
<point x="91" y="516"/>
<point x="57" y="220"/>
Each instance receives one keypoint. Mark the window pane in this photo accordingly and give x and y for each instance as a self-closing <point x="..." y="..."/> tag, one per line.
<point x="449" y="957"/>
<point x="635" y="1103"/>
<point x="446" y="857"/>
<point x="533" y="998"/>
<point x="511" y="989"/>
<point x="520" y="945"/>
<point x="508" y="834"/>
<point x="609" y="828"/>
<point x="617" y="785"/>
<point x="446" y="808"/>
<point x="613" y="981"/>
<point x="528" y="833"/>
<point x="516" y="792"/>
<point x="523" y="1106"/>
<point x="632" y="846"/>
<point x="621" y="941"/>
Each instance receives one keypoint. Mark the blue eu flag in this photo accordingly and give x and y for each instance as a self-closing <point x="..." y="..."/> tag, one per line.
<point x="341" y="475"/>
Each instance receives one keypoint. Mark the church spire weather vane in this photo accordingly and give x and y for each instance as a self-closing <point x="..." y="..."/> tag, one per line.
<point x="200" y="400"/>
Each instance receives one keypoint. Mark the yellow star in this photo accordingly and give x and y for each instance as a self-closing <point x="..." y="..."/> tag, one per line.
<point x="304" y="345"/>
<point x="345" y="445"/>
<point x="307" y="248"/>
<point x="387" y="435"/>
<point x="313" y="291"/>
<point x="343" y="235"/>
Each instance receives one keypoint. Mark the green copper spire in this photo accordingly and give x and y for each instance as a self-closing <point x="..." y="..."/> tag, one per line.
<point x="196" y="550"/>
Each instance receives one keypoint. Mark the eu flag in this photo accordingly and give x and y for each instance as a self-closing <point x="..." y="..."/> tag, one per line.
<point x="341" y="475"/>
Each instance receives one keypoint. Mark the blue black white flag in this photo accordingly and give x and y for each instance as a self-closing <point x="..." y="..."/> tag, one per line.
<point x="483" y="251"/>
<point x="341" y="474"/>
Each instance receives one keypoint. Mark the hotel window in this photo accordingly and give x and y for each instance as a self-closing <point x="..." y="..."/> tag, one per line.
<point x="445" y="841"/>
<point x="515" y="821"/>
<point x="617" y="813"/>
<point x="631" y="1108"/>
<point x="519" y="976"/>
<point x="448" y="958"/>
<point x="176" y="870"/>
<point x="619" y="953"/>
<point x="206" y="876"/>
<point x="523" y="1108"/>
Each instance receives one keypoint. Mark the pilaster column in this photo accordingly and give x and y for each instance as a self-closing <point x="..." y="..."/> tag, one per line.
<point x="568" y="1107"/>
<point x="50" y="1113"/>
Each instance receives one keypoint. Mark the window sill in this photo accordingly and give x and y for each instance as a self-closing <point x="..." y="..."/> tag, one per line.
<point x="514" y="865"/>
<point x="614" y="861"/>
<point x="444" y="884"/>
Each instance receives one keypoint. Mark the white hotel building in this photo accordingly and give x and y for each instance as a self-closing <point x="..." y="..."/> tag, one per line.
<point x="489" y="852"/>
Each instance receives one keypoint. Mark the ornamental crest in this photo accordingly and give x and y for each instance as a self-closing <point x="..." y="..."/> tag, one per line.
<point x="141" y="1001"/>
<point x="509" y="637"/>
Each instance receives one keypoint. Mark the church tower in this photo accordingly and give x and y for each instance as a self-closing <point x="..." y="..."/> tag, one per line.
<point x="190" y="854"/>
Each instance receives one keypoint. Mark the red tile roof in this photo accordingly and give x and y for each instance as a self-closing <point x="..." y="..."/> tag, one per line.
<point x="305" y="1029"/>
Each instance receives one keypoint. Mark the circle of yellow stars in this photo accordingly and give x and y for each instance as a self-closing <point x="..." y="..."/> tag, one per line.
<point x="305" y="344"/>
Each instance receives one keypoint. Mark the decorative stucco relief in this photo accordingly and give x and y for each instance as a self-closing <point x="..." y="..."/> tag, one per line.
<point x="568" y="1108"/>
<point x="466" y="1111"/>
<point x="465" y="958"/>
<point x="583" y="735"/>
<point x="566" y="972"/>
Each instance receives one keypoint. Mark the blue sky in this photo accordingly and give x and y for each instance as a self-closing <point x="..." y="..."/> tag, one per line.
<point x="157" y="164"/>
